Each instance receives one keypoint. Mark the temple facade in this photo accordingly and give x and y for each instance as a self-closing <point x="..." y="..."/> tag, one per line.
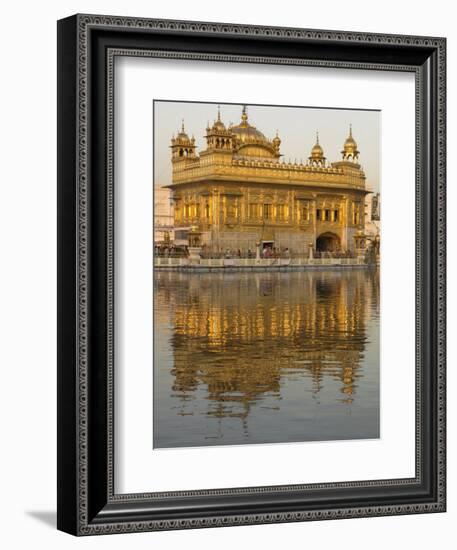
<point x="239" y="192"/>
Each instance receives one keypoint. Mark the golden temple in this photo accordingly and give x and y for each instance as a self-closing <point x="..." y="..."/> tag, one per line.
<point x="239" y="193"/>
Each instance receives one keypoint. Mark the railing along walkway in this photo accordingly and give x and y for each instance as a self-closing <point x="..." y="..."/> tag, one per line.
<point x="253" y="262"/>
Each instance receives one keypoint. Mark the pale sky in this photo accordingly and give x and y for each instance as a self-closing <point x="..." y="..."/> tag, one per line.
<point x="296" y="126"/>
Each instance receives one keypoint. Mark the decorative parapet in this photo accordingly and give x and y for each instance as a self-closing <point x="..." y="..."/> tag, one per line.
<point x="270" y="172"/>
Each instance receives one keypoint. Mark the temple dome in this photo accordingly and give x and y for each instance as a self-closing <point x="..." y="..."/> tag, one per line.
<point x="350" y="151"/>
<point x="182" y="137"/>
<point x="218" y="125"/>
<point x="350" y="144"/>
<point x="251" y="140"/>
<point x="248" y="134"/>
<point x="317" y="153"/>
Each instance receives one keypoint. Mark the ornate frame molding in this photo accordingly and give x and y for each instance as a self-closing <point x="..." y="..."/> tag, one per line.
<point x="79" y="512"/>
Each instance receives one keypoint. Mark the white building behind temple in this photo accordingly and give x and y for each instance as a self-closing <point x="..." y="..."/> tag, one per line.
<point x="373" y="214"/>
<point x="163" y="215"/>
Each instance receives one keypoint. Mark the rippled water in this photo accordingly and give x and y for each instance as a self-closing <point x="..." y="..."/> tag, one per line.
<point x="265" y="357"/>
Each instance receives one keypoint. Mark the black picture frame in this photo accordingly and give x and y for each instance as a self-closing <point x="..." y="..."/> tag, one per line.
<point x="87" y="45"/>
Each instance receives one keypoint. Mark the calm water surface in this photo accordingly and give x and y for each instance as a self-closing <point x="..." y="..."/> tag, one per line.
<point x="265" y="357"/>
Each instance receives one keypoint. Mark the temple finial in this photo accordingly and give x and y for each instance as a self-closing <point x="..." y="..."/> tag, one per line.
<point x="182" y="125"/>
<point x="219" y="113"/>
<point x="244" y="115"/>
<point x="317" y="137"/>
<point x="350" y="129"/>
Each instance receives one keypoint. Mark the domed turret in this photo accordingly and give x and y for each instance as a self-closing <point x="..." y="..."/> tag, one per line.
<point x="317" y="154"/>
<point x="350" y="152"/>
<point x="182" y="145"/>
<point x="182" y="137"/>
<point x="218" y="125"/>
<point x="218" y="137"/>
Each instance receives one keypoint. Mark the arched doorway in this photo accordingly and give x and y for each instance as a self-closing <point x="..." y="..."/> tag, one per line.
<point x="327" y="242"/>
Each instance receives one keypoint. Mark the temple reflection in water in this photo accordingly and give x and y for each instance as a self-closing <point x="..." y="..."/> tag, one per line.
<point x="265" y="357"/>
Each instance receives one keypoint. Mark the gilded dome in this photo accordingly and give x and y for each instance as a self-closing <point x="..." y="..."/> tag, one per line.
<point x="350" y="147"/>
<point x="248" y="134"/>
<point x="252" y="142"/>
<point x="350" y="143"/>
<point x="317" y="153"/>
<point x="218" y="125"/>
<point x="182" y="137"/>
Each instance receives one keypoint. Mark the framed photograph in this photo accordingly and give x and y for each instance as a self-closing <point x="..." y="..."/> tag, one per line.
<point x="251" y="274"/>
